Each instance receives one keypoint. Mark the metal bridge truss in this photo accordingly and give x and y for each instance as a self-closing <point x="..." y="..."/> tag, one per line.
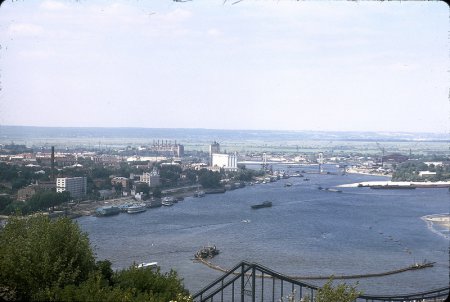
<point x="254" y="282"/>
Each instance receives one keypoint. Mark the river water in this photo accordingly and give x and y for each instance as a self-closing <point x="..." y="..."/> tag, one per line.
<point x="306" y="232"/>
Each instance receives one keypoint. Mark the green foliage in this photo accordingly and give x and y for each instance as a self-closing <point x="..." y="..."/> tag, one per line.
<point x="246" y="174"/>
<point x="39" y="201"/>
<point x="41" y="254"/>
<point x="159" y="286"/>
<point x="142" y="187"/>
<point x="51" y="260"/>
<point x="340" y="293"/>
<point x="409" y="171"/>
<point x="4" y="202"/>
<point x="157" y="193"/>
<point x="170" y="174"/>
<point x="47" y="199"/>
<point x="209" y="179"/>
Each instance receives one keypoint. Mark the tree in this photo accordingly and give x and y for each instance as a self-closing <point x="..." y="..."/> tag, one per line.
<point x="4" y="202"/>
<point x="143" y="187"/>
<point x="341" y="293"/>
<point x="51" y="260"/>
<point x="47" y="199"/>
<point x="156" y="192"/>
<point x="209" y="179"/>
<point x="38" y="254"/>
<point x="170" y="174"/>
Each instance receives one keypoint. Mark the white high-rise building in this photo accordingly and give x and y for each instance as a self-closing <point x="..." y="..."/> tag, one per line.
<point x="227" y="162"/>
<point x="76" y="186"/>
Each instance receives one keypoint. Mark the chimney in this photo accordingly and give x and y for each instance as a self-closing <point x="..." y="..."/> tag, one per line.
<point x="53" y="163"/>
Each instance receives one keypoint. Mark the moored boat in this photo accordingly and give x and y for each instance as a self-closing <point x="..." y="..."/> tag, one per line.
<point x="265" y="204"/>
<point x="152" y="265"/>
<point x="136" y="208"/>
<point x="199" y="193"/>
<point x="167" y="201"/>
<point x="153" y="203"/>
<point x="124" y="207"/>
<point x="107" y="211"/>
<point x="207" y="252"/>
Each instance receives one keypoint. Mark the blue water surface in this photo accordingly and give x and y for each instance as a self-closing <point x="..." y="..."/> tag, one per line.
<point x="306" y="232"/>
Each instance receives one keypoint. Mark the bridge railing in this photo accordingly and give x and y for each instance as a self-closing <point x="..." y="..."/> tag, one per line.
<point x="253" y="282"/>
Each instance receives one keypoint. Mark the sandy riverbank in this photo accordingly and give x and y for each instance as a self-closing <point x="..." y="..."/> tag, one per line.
<point x="365" y="172"/>
<point x="442" y="184"/>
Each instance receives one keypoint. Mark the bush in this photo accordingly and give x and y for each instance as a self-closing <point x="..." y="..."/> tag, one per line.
<point x="51" y="260"/>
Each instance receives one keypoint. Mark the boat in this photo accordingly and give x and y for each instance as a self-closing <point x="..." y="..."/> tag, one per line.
<point x="207" y="252"/>
<point x="215" y="191"/>
<point x="329" y="189"/>
<point x="199" y="193"/>
<point x="390" y="187"/>
<point x="288" y="184"/>
<point x="124" y="207"/>
<point x="152" y="265"/>
<point x="265" y="204"/>
<point x="153" y="203"/>
<point x="305" y="179"/>
<point x="167" y="201"/>
<point x="107" y="211"/>
<point x="136" y="208"/>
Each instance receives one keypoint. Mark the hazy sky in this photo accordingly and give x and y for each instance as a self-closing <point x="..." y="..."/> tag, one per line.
<point x="282" y="65"/>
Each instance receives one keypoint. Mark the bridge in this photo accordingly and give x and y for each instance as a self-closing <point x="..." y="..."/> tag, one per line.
<point x="254" y="282"/>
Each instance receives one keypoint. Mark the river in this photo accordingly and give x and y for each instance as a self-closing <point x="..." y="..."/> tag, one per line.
<point x="306" y="232"/>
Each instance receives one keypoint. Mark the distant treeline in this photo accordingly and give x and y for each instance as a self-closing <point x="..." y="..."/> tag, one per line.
<point x="196" y="134"/>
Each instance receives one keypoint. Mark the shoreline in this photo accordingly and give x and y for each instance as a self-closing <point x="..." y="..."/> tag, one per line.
<point x="418" y="184"/>
<point x="365" y="172"/>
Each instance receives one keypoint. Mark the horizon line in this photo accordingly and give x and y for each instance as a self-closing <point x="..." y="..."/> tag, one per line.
<point x="223" y="129"/>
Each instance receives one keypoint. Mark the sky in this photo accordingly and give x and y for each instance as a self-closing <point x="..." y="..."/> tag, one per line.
<point x="269" y="65"/>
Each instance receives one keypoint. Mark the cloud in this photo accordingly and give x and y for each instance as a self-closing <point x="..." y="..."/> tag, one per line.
<point x="25" y="29"/>
<point x="177" y="15"/>
<point x="53" y="5"/>
<point x="214" y="32"/>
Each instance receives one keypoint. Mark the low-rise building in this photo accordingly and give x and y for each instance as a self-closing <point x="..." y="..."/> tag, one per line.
<point x="27" y="192"/>
<point x="425" y="174"/>
<point x="152" y="179"/>
<point x="120" y="180"/>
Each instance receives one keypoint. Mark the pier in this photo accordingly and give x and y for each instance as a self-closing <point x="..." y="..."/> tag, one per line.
<point x="415" y="266"/>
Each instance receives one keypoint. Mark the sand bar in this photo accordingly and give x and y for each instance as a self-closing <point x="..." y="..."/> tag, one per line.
<point x="437" y="184"/>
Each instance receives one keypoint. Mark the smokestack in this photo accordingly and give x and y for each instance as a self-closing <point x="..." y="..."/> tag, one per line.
<point x="53" y="163"/>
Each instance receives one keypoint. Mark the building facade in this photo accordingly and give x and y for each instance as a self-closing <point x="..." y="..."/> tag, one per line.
<point x="76" y="186"/>
<point x="228" y="162"/>
<point x="152" y="179"/>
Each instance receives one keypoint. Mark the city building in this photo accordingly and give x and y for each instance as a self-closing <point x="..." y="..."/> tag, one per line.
<point x="228" y="162"/>
<point x="27" y="192"/>
<point x="214" y="148"/>
<point x="77" y="186"/>
<point x="120" y="180"/>
<point x="152" y="179"/>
